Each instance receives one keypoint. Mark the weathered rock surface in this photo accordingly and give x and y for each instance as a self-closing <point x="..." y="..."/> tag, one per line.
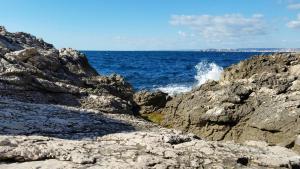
<point x="150" y="102"/>
<point x="54" y="114"/>
<point x="257" y="99"/>
<point x="51" y="136"/>
<point x="32" y="70"/>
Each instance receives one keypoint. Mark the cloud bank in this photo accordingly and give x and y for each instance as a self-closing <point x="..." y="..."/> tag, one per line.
<point x="226" y="27"/>
<point x="295" y="6"/>
<point x="295" y="24"/>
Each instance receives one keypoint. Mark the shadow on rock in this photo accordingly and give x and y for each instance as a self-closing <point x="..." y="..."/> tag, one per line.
<point x="17" y="118"/>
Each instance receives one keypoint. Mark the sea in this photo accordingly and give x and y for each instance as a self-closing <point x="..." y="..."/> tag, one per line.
<point x="172" y="72"/>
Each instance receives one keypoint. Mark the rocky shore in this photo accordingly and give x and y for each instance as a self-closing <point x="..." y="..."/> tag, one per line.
<point x="56" y="111"/>
<point x="257" y="99"/>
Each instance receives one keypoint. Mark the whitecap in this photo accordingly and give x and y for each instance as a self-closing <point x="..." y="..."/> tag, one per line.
<point x="205" y="71"/>
<point x="174" y="89"/>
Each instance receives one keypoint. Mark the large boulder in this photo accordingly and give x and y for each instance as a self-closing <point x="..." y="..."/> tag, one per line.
<point x="257" y="99"/>
<point x="150" y="102"/>
<point x="32" y="70"/>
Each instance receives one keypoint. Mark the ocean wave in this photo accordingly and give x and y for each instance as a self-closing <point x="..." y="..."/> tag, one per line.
<point x="205" y="71"/>
<point x="174" y="89"/>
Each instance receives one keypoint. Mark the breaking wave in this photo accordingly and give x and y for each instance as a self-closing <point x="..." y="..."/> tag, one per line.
<point x="205" y="71"/>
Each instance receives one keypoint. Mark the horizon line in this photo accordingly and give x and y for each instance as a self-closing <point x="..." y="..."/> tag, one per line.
<point x="200" y="50"/>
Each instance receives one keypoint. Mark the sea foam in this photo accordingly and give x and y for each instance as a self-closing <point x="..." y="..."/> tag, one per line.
<point x="174" y="89"/>
<point x="205" y="71"/>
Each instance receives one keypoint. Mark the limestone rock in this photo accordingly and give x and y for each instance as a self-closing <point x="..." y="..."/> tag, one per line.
<point x="32" y="70"/>
<point x="57" y="112"/>
<point x="51" y="136"/>
<point x="297" y="143"/>
<point x="257" y="99"/>
<point x="150" y="102"/>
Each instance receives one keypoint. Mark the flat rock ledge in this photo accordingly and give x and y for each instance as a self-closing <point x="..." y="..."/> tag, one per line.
<point x="51" y="136"/>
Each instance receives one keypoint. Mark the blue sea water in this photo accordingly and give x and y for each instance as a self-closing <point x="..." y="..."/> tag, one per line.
<point x="169" y="71"/>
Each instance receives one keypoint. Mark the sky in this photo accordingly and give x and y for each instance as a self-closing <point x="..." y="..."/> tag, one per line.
<point x="156" y="24"/>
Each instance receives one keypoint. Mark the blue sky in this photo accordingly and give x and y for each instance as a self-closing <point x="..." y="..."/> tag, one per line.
<point x="156" y="24"/>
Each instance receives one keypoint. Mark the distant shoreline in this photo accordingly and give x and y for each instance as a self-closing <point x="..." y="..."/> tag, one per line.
<point x="217" y="50"/>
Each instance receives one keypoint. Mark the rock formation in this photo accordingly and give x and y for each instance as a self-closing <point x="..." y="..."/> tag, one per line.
<point x="57" y="112"/>
<point x="49" y="136"/>
<point x="150" y="102"/>
<point x="32" y="70"/>
<point x="257" y="99"/>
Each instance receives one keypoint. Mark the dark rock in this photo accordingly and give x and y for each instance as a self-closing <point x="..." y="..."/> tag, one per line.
<point x="150" y="102"/>
<point x="243" y="161"/>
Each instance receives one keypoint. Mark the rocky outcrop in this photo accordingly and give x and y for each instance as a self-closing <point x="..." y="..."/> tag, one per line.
<point x="150" y="102"/>
<point x="257" y="99"/>
<point x="32" y="70"/>
<point x="57" y="112"/>
<point x="52" y="136"/>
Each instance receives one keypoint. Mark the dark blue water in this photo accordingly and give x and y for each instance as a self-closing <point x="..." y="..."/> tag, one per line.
<point x="152" y="70"/>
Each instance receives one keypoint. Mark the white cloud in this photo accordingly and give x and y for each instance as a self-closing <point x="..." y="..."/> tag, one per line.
<point x="182" y="34"/>
<point x="295" y="24"/>
<point x="285" y="1"/>
<point x="218" y="28"/>
<point x="294" y="6"/>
